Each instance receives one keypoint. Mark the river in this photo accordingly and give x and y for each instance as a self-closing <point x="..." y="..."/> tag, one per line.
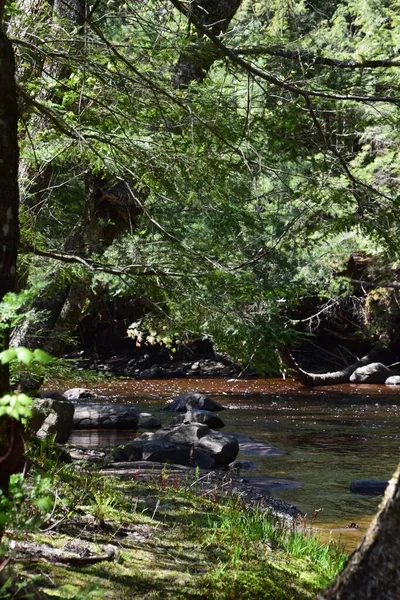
<point x="325" y="438"/>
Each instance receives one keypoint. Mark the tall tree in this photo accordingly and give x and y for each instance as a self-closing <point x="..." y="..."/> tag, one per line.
<point x="9" y="194"/>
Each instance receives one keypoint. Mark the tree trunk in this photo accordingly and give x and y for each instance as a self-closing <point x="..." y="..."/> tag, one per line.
<point x="9" y="195"/>
<point x="11" y="443"/>
<point x="373" y="570"/>
<point x="335" y="377"/>
<point x="195" y="61"/>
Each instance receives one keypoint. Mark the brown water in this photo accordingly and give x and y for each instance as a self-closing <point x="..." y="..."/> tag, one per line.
<point x="327" y="437"/>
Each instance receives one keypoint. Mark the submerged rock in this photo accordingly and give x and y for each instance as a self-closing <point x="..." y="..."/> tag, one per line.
<point x="372" y="487"/>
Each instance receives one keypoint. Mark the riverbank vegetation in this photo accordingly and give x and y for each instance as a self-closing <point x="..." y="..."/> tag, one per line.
<point x="74" y="533"/>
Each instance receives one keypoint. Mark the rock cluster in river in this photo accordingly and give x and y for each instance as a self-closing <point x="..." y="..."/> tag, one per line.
<point x="191" y="439"/>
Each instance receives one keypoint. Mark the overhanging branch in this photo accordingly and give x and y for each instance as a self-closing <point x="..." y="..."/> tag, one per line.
<point x="139" y="270"/>
<point x="313" y="59"/>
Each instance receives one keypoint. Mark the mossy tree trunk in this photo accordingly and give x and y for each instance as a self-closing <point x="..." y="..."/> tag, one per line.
<point x="196" y="60"/>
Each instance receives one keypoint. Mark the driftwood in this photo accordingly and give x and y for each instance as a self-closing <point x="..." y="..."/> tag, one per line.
<point x="332" y="378"/>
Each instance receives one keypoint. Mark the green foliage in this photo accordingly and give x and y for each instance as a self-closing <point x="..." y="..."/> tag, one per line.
<point x="25" y="356"/>
<point x="25" y="505"/>
<point x="16" y="406"/>
<point x="252" y="198"/>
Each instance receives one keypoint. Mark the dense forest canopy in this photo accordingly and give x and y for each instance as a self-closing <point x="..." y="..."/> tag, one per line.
<point x="220" y="160"/>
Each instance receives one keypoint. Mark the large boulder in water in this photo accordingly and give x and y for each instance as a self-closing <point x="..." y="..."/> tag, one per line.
<point x="372" y="373"/>
<point x="165" y="452"/>
<point x="192" y="401"/>
<point x="188" y="444"/>
<point x="105" y="416"/>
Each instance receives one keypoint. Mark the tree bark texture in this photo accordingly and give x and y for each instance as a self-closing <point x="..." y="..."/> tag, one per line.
<point x="195" y="62"/>
<point x="332" y="378"/>
<point x="9" y="194"/>
<point x="11" y="442"/>
<point x="373" y="570"/>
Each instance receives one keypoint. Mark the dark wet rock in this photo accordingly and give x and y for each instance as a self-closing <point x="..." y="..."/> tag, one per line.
<point x="372" y="373"/>
<point x="182" y="444"/>
<point x="130" y="451"/>
<point x="105" y="416"/>
<point x="53" y="396"/>
<point x="52" y="417"/>
<point x="78" y="394"/>
<point x="371" y="487"/>
<point x="192" y="400"/>
<point x="178" y="454"/>
<point x="207" y="417"/>
<point x="393" y="380"/>
<point x="153" y="372"/>
<point x="149" y="423"/>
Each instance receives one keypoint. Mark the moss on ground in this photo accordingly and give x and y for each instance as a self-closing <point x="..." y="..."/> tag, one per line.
<point x="173" y="543"/>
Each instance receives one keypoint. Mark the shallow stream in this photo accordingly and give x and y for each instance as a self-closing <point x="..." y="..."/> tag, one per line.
<point x="324" y="438"/>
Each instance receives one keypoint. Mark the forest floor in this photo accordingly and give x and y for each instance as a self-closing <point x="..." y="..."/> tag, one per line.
<point x="166" y="537"/>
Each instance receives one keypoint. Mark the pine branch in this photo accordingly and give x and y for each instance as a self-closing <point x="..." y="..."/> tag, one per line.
<point x="276" y="81"/>
<point x="307" y="57"/>
<point x="139" y="270"/>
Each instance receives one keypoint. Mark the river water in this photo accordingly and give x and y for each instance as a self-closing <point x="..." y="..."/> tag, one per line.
<point x="321" y="439"/>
